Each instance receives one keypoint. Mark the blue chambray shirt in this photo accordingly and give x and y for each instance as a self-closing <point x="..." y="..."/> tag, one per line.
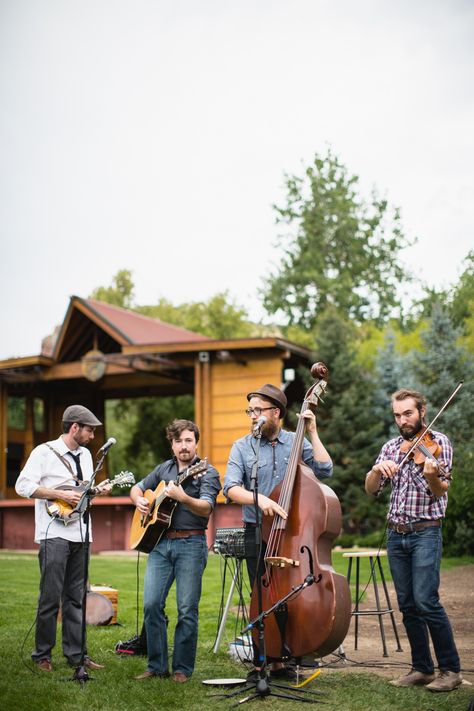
<point x="272" y="464"/>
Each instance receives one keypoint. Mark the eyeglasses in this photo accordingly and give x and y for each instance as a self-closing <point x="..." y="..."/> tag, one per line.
<point x="257" y="411"/>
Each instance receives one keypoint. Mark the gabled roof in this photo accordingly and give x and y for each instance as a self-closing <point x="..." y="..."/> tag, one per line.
<point x="89" y="323"/>
<point x="139" y="329"/>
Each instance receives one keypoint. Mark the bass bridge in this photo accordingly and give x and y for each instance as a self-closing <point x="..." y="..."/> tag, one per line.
<point x="282" y="562"/>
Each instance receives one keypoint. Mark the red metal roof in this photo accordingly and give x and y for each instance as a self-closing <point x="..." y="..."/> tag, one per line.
<point x="139" y="329"/>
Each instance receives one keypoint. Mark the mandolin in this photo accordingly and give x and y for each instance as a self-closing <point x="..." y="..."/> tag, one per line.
<point x="66" y="512"/>
<point x="147" y="529"/>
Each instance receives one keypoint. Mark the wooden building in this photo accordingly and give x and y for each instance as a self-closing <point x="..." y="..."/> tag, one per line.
<point x="104" y="352"/>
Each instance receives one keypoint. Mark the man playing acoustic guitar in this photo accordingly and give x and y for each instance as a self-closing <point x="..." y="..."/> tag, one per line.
<point x="180" y="552"/>
<point x="62" y="462"/>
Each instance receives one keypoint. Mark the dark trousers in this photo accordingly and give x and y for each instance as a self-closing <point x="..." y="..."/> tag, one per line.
<point x="62" y="583"/>
<point x="255" y="566"/>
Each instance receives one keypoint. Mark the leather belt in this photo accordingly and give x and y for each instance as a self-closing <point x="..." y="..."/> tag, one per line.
<point x="409" y="527"/>
<point x="185" y="533"/>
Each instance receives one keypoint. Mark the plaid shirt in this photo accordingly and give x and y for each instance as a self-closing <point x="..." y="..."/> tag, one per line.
<point x="411" y="499"/>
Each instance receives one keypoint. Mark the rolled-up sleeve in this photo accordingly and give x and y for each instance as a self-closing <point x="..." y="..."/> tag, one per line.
<point x="210" y="486"/>
<point x="234" y="475"/>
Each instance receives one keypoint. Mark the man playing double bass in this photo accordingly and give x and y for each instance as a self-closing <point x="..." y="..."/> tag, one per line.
<point x="417" y="506"/>
<point x="268" y="405"/>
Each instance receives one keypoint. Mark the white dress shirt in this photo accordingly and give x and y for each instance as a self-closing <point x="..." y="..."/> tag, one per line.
<point x="45" y="469"/>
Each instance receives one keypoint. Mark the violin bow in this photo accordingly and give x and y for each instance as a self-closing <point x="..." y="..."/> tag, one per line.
<point x="415" y="443"/>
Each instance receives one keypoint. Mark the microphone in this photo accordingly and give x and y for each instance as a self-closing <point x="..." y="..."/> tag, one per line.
<point x="105" y="447"/>
<point x="259" y="424"/>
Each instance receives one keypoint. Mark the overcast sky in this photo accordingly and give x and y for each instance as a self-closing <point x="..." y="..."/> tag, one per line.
<point x="154" y="135"/>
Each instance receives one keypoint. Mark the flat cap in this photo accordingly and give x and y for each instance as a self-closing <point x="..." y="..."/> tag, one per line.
<point x="81" y="415"/>
<point x="273" y="394"/>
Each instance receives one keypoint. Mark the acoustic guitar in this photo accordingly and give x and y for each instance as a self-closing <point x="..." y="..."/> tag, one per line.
<point x="147" y="529"/>
<point x="66" y="512"/>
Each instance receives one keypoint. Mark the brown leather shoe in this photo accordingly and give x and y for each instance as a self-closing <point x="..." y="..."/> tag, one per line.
<point x="180" y="678"/>
<point x="44" y="665"/>
<point x="150" y="675"/>
<point x="92" y="665"/>
<point x="145" y="675"/>
<point x="413" y="678"/>
<point x="445" y="681"/>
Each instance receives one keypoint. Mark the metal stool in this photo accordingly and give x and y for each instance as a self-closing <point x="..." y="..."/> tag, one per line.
<point x="371" y="555"/>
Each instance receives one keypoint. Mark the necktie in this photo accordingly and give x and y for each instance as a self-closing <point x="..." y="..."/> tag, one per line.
<point x="77" y="462"/>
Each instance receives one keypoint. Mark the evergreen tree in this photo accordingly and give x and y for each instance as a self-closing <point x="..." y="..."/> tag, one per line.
<point x="439" y="368"/>
<point x="392" y="372"/>
<point x="341" y="250"/>
<point x="346" y="421"/>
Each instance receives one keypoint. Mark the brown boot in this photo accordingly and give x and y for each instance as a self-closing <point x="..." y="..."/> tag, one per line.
<point x="445" y="681"/>
<point x="413" y="678"/>
<point x="44" y="665"/>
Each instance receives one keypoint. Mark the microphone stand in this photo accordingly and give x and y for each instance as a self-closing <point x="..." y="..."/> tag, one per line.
<point x="81" y="674"/>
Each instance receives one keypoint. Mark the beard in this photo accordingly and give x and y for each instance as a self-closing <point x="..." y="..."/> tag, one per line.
<point x="81" y="439"/>
<point x="184" y="456"/>
<point x="410" y="431"/>
<point x="269" y="430"/>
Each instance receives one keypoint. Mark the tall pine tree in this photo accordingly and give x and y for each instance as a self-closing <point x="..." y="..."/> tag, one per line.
<point x="346" y="420"/>
<point x="438" y="369"/>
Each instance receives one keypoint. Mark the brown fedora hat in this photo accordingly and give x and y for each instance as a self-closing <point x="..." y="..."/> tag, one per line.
<point x="273" y="394"/>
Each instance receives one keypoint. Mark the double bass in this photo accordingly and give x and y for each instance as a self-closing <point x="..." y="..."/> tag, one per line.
<point x="316" y="618"/>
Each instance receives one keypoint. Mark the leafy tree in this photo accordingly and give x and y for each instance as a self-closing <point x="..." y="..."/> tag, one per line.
<point x="340" y="250"/>
<point x="140" y="424"/>
<point x="462" y="304"/>
<point x="120" y="293"/>
<point x="219" y="317"/>
<point x="439" y="368"/>
<point x="348" y="427"/>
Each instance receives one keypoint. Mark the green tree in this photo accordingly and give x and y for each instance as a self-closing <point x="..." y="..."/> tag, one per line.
<point x="341" y="250"/>
<point x="120" y="293"/>
<point x="462" y="304"/>
<point x="139" y="425"/>
<point x="439" y="368"/>
<point x="392" y="372"/>
<point x="348" y="428"/>
<point x="219" y="317"/>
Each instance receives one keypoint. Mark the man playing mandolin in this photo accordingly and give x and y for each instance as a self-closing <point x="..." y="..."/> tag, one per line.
<point x="417" y="506"/>
<point x="64" y="462"/>
<point x="180" y="552"/>
<point x="266" y="408"/>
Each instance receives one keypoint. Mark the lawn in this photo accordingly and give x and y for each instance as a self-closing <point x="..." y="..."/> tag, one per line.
<point x="23" y="688"/>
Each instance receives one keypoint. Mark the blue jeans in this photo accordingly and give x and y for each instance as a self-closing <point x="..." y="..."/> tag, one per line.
<point x="414" y="563"/>
<point x="183" y="560"/>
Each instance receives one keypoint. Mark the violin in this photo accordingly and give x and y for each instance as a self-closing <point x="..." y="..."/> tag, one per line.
<point x="424" y="447"/>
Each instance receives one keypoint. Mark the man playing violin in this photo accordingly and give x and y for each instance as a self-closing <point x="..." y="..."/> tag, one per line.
<point x="65" y="461"/>
<point x="418" y="501"/>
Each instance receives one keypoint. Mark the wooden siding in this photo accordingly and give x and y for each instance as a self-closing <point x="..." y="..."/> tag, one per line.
<point x="230" y="383"/>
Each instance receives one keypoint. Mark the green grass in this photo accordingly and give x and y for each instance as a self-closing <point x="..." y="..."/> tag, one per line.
<point x="23" y="688"/>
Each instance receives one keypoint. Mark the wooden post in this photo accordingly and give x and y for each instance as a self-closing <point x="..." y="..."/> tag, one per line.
<point x="3" y="440"/>
<point x="29" y="440"/>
